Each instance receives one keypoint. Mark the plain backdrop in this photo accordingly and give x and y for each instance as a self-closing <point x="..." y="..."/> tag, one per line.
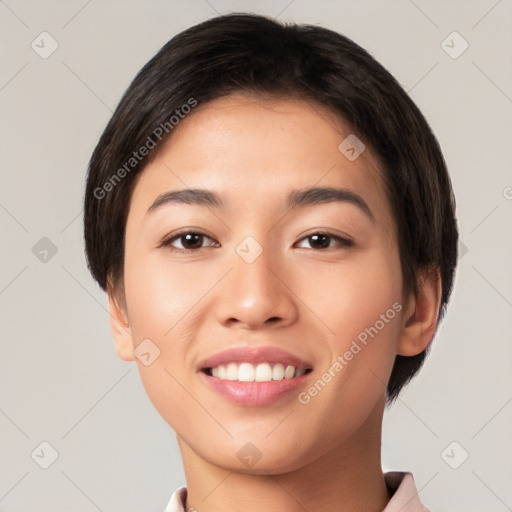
<point x="61" y="382"/>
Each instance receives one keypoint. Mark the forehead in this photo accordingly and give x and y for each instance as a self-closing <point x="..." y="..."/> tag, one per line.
<point x="252" y="151"/>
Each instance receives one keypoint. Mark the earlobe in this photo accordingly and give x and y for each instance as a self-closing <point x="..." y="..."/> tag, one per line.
<point x="421" y="315"/>
<point x="120" y="327"/>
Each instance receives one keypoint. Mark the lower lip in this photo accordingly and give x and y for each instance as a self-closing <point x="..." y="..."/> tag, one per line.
<point x="255" y="394"/>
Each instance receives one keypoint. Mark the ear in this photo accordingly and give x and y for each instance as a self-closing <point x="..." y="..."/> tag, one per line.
<point x="421" y="315"/>
<point x="120" y="326"/>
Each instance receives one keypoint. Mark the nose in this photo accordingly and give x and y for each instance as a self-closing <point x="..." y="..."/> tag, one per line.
<point x="257" y="294"/>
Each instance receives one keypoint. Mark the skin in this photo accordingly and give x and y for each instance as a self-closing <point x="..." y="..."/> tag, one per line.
<point x="309" y="300"/>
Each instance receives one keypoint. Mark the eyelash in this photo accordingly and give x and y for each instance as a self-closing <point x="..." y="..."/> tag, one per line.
<point x="343" y="242"/>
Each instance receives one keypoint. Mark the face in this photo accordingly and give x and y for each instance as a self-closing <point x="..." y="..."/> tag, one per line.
<point x="254" y="275"/>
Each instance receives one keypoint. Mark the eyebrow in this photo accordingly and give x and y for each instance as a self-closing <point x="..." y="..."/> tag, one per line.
<point x="296" y="198"/>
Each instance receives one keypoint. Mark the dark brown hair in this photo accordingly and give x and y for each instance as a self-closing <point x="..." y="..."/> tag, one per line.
<point x="255" y="54"/>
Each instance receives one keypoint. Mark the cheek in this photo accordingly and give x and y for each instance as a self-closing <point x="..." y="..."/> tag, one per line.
<point x="360" y="303"/>
<point x="160" y="296"/>
<point x="160" y="301"/>
<point x="166" y="304"/>
<point x="350" y="297"/>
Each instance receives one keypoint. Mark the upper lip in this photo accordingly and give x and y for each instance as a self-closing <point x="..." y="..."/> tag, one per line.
<point x="254" y="355"/>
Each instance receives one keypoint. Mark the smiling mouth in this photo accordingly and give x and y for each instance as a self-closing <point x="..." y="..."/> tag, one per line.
<point x="262" y="372"/>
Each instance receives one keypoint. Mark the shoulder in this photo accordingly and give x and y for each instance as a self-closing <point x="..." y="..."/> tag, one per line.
<point x="178" y="501"/>
<point x="404" y="495"/>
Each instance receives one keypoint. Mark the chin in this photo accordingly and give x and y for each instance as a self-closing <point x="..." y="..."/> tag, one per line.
<point x="265" y="460"/>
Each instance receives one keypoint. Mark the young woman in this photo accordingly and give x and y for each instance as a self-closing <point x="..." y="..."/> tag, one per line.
<point x="274" y="224"/>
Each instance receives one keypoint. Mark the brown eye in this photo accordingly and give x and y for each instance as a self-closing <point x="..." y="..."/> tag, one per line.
<point x="321" y="241"/>
<point x="188" y="241"/>
<point x="191" y="241"/>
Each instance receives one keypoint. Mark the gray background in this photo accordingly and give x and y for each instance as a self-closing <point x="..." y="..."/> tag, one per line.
<point x="60" y="379"/>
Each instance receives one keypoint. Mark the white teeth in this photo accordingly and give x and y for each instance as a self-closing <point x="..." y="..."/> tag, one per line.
<point x="278" y="372"/>
<point x="289" y="372"/>
<point x="263" y="372"/>
<point x="246" y="372"/>
<point x="232" y="371"/>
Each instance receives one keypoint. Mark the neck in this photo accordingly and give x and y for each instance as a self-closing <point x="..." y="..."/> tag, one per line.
<point x="348" y="477"/>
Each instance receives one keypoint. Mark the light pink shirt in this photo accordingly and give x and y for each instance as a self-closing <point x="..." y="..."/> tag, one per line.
<point x="401" y="484"/>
